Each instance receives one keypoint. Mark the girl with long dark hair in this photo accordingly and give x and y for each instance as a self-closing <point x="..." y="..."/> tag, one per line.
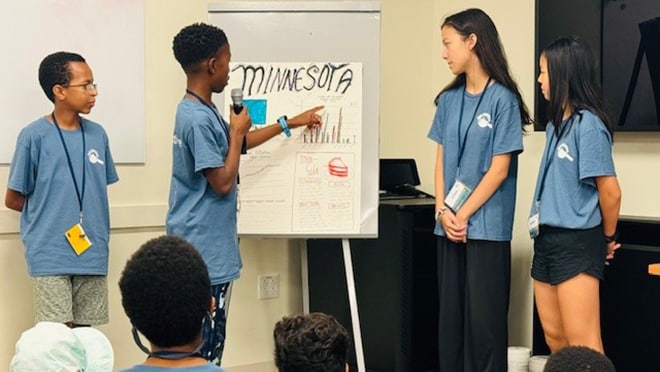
<point x="478" y="126"/>
<point x="576" y="203"/>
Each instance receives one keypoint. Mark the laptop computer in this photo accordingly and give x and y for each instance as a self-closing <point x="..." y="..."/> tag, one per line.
<point x="398" y="179"/>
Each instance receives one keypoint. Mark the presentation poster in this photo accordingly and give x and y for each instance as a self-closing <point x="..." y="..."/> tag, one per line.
<point x="308" y="183"/>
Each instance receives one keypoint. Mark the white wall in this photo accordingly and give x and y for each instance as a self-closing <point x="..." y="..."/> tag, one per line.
<point x="412" y="73"/>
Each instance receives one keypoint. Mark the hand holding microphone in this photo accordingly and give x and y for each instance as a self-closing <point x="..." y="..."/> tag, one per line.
<point x="240" y="121"/>
<point x="237" y="100"/>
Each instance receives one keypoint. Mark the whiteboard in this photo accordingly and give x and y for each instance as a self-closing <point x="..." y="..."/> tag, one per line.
<point x="313" y="32"/>
<point x="109" y="34"/>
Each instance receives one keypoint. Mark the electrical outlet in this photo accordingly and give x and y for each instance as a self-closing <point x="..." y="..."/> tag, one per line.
<point x="268" y="286"/>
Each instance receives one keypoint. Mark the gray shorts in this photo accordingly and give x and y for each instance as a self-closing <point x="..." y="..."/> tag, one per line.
<point x="80" y="299"/>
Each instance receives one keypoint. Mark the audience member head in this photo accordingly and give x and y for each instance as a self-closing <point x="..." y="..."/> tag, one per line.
<point x="55" y="70"/>
<point x="314" y="342"/>
<point x="166" y="292"/>
<point x="578" y="359"/>
<point x="100" y="356"/>
<point x="54" y="347"/>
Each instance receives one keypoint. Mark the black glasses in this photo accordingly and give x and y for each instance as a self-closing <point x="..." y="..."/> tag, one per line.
<point x="89" y="87"/>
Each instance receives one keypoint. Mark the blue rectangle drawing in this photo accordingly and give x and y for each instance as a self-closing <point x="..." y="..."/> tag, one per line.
<point x="257" y="110"/>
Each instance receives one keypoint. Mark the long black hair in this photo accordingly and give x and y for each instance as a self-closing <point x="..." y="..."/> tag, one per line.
<point x="489" y="50"/>
<point x="573" y="81"/>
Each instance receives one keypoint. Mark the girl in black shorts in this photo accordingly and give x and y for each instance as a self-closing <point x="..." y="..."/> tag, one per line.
<point x="577" y="198"/>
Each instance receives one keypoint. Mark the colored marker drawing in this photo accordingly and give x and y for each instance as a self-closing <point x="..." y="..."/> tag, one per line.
<point x="337" y="168"/>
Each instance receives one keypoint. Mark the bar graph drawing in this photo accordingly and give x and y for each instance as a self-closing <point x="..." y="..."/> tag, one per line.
<point x="330" y="131"/>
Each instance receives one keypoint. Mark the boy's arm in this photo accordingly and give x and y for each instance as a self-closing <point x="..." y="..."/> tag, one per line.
<point x="258" y="136"/>
<point x="309" y="118"/>
<point x="222" y="178"/>
<point x="14" y="200"/>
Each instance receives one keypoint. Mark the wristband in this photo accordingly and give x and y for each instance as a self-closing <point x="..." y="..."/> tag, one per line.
<point x="612" y="238"/>
<point x="439" y="212"/>
<point x="285" y="126"/>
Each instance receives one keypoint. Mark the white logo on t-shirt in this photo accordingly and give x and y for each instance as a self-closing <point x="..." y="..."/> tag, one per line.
<point x="563" y="152"/>
<point x="93" y="157"/>
<point x="177" y="141"/>
<point x="483" y="120"/>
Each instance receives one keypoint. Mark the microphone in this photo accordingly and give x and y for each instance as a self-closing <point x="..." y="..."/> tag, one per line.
<point x="237" y="100"/>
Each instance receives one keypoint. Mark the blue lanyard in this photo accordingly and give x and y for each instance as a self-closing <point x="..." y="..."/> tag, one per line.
<point x="461" y="145"/>
<point x="80" y="192"/>
<point x="223" y="124"/>
<point x="167" y="354"/>
<point x="175" y="355"/>
<point x="549" y="155"/>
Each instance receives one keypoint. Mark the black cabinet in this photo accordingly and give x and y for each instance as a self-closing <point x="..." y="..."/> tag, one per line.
<point x="630" y="300"/>
<point x="396" y="287"/>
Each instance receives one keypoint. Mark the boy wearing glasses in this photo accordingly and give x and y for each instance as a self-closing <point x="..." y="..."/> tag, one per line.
<point x="58" y="181"/>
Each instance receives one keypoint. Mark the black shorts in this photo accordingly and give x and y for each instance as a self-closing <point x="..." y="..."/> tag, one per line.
<point x="560" y="254"/>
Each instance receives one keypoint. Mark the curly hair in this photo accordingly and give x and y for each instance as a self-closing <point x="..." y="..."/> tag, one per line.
<point x="54" y="70"/>
<point x="314" y="342"/>
<point x="166" y="291"/>
<point x="196" y="43"/>
<point x="578" y="359"/>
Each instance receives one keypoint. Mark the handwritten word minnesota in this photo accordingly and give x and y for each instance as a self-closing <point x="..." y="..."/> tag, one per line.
<point x="260" y="79"/>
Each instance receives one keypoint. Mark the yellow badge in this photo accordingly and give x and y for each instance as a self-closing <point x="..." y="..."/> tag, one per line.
<point x="77" y="238"/>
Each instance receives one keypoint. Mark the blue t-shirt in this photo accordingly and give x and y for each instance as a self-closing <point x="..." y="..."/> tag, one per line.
<point x="570" y="197"/>
<point x="196" y="212"/>
<point x="495" y="130"/>
<point x="40" y="171"/>
<point x="208" y="367"/>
